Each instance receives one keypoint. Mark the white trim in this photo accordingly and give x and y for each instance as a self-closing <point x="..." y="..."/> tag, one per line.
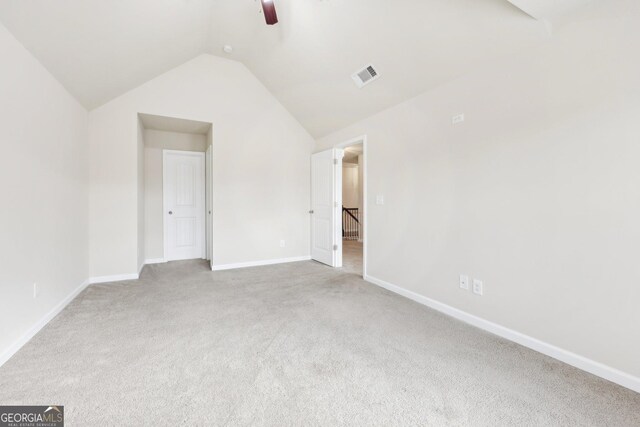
<point x="140" y="269"/>
<point x="154" y="261"/>
<point x="208" y="186"/>
<point x="362" y="139"/>
<point x="596" y="368"/>
<point x="338" y="154"/>
<point x="259" y="263"/>
<point x="17" y="344"/>
<point x="114" y="278"/>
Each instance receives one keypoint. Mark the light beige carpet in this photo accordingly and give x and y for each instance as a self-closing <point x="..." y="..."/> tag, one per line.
<point x="293" y="344"/>
<point x="352" y="257"/>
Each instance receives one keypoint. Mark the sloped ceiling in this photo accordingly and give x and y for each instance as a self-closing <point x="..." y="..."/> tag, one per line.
<point x="100" y="49"/>
<point x="548" y="9"/>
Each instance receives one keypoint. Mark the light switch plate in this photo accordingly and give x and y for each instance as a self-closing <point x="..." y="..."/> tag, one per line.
<point x="464" y="281"/>
<point x="379" y="199"/>
<point x="457" y="119"/>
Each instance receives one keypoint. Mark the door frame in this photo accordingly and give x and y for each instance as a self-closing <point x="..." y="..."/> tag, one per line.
<point x="362" y="139"/>
<point x="202" y="195"/>
<point x="208" y="173"/>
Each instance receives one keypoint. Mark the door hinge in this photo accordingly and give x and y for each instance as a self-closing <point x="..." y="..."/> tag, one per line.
<point x="335" y="161"/>
<point x="335" y="247"/>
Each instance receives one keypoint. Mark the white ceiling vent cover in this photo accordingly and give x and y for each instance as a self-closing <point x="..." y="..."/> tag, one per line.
<point x="365" y="76"/>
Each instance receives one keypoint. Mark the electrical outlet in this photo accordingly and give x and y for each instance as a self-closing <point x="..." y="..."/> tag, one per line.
<point x="35" y="290"/>
<point x="464" y="281"/>
<point x="379" y="199"/>
<point x="282" y="243"/>
<point x="477" y="287"/>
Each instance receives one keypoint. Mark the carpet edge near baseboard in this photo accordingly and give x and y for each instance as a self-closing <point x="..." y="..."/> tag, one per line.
<point x="598" y="369"/>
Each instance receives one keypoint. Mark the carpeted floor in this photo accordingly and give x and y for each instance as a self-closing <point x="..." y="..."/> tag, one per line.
<point x="291" y="344"/>
<point x="352" y="257"/>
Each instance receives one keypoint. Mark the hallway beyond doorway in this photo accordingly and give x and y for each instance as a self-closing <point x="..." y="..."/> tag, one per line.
<point x="352" y="256"/>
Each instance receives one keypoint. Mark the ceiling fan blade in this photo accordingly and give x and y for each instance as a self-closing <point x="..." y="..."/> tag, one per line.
<point x="269" y="9"/>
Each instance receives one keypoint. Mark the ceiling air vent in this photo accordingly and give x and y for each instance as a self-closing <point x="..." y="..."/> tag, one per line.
<point x="365" y="76"/>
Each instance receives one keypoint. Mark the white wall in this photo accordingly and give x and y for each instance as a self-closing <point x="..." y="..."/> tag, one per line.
<point x="260" y="171"/>
<point x="44" y="188"/>
<point x="350" y="185"/>
<point x="163" y="140"/>
<point x="155" y="142"/>
<point x="537" y="192"/>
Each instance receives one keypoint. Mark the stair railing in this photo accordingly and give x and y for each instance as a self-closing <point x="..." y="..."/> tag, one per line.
<point x="350" y="223"/>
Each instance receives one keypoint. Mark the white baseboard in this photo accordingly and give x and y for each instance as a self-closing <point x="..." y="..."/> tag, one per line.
<point x="17" y="345"/>
<point x="259" y="263"/>
<point x="115" y="278"/>
<point x="596" y="368"/>
<point x="155" y="261"/>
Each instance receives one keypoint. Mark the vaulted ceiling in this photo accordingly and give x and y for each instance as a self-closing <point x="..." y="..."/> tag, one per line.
<point x="100" y="49"/>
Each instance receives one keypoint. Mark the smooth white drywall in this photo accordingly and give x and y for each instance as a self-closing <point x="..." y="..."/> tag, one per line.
<point x="45" y="192"/>
<point x="155" y="142"/>
<point x="537" y="192"/>
<point x="165" y="140"/>
<point x="350" y="185"/>
<point x="260" y="165"/>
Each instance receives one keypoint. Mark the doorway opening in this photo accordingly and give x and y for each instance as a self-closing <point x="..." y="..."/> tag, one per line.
<point x="352" y="208"/>
<point x="339" y="206"/>
<point x="175" y="198"/>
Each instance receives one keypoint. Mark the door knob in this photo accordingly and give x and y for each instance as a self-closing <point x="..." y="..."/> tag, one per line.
<point x="170" y="212"/>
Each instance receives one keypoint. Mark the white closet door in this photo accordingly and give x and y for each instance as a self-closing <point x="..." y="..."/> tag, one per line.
<point x="184" y="205"/>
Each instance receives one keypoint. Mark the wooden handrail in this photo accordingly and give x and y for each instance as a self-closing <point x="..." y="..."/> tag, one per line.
<point x="348" y="211"/>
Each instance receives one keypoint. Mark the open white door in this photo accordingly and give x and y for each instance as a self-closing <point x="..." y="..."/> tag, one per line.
<point x="184" y="205"/>
<point x="326" y="205"/>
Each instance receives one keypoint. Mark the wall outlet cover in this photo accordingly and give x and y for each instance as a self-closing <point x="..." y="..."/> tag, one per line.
<point x="477" y="287"/>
